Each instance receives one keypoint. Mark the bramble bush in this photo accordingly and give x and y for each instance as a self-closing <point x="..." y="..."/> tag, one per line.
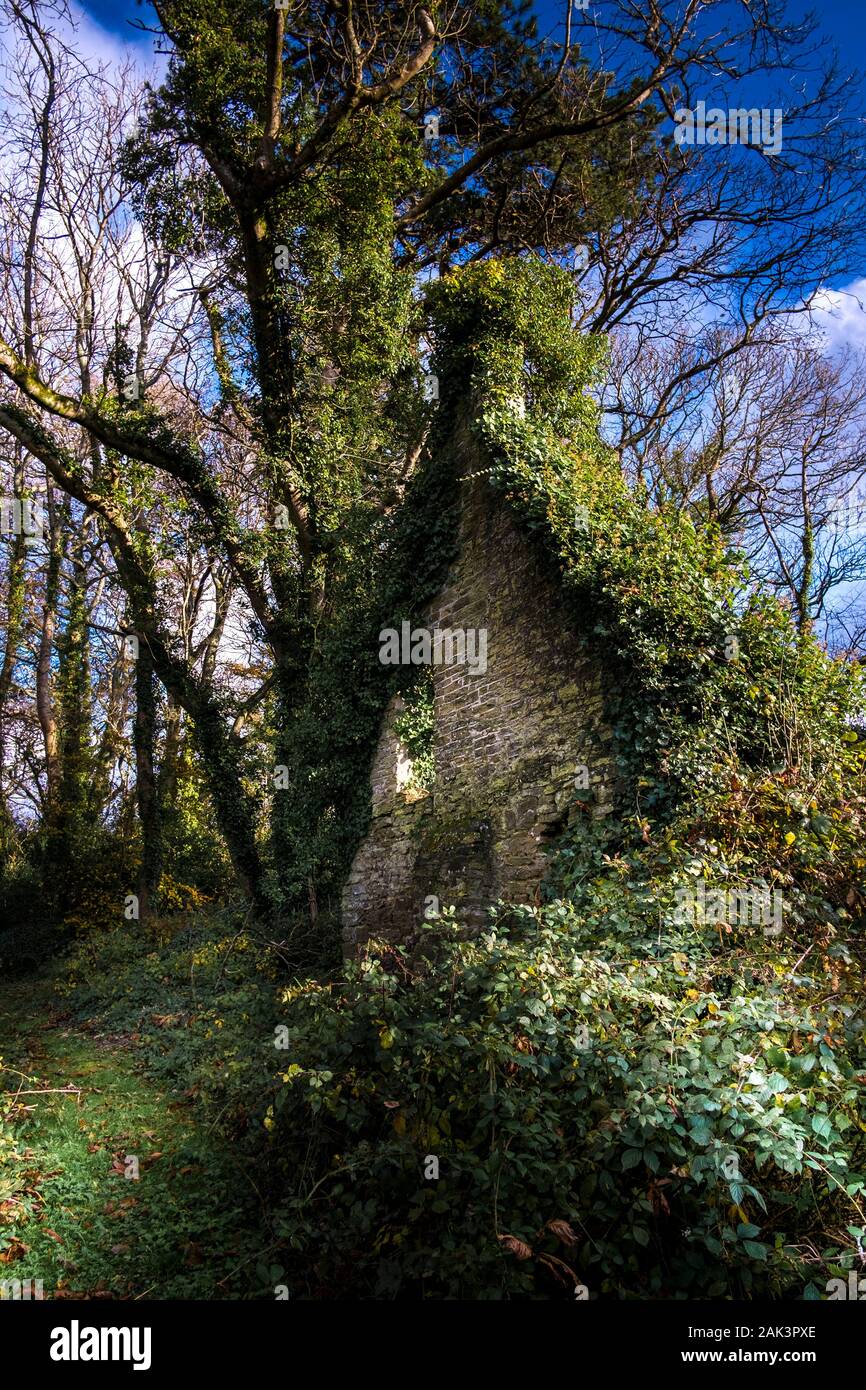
<point x="641" y="1120"/>
<point x="613" y="1100"/>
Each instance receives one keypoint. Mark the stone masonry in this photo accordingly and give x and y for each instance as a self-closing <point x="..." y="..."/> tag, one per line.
<point x="510" y="745"/>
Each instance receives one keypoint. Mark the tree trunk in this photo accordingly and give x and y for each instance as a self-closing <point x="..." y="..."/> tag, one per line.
<point x="145" y="781"/>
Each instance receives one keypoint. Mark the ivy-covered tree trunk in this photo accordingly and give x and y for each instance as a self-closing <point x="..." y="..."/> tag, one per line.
<point x="15" y="600"/>
<point x="171" y="752"/>
<point x="69" y="816"/>
<point x="44" y="693"/>
<point x="149" y="811"/>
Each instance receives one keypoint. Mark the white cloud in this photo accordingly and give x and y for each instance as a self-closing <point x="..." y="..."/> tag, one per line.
<point x="840" y="315"/>
<point x="94" y="44"/>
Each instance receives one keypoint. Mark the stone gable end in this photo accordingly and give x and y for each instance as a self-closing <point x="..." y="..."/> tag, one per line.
<point x="509" y="743"/>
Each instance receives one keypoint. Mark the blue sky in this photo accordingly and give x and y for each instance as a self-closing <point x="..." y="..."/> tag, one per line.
<point x="115" y="14"/>
<point x="843" y="20"/>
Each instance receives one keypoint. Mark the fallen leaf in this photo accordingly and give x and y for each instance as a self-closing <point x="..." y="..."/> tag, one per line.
<point x="13" y="1252"/>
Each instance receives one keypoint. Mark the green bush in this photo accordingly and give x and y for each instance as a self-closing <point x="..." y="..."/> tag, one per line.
<point x="677" y="1123"/>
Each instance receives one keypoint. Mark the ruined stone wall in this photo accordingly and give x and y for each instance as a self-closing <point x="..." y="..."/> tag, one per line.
<point x="379" y="898"/>
<point x="508" y="744"/>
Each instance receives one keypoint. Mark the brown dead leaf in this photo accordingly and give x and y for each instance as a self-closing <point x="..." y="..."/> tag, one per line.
<point x="516" y="1247"/>
<point x="657" y="1197"/>
<point x="562" y="1231"/>
<point x="13" y="1251"/>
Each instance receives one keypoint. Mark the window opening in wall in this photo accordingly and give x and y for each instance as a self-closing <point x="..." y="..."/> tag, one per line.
<point x="414" y="728"/>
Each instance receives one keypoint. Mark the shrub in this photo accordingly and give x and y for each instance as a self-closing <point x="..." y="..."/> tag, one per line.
<point x="643" y="1122"/>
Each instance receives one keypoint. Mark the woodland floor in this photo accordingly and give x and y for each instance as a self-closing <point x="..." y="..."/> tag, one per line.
<point x="69" y="1215"/>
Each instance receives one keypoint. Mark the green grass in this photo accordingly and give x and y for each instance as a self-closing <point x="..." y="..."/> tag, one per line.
<point x="189" y="1227"/>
